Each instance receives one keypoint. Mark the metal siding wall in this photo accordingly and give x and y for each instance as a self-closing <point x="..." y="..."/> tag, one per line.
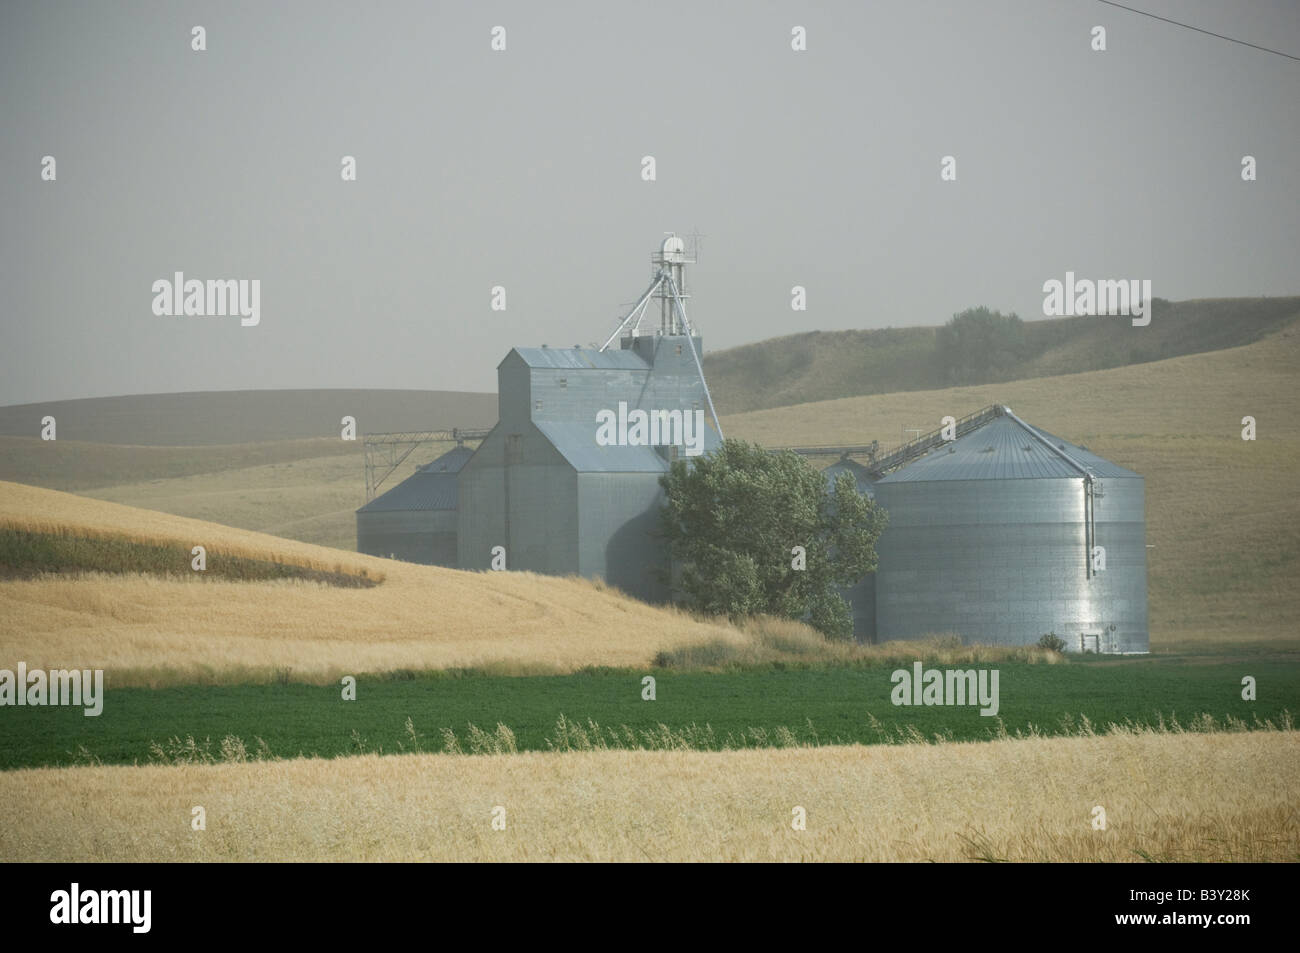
<point x="1002" y="561"/>
<point x="617" y="518"/>
<point x="672" y="383"/>
<point x="480" y="491"/>
<point x="586" y="391"/>
<point x="418" y="536"/>
<point x="675" y="382"/>
<point x="1120" y="518"/>
<point x="862" y="600"/>
<point x="443" y="549"/>
<point x="543" y="501"/>
<point x="541" y="532"/>
<point x="514" y="391"/>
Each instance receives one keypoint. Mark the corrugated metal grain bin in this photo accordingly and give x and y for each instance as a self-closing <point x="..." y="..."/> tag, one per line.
<point x="1000" y="537"/>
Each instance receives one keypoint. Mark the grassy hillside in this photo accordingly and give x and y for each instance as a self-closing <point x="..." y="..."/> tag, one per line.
<point x="143" y="629"/>
<point x="77" y="465"/>
<point x="307" y="490"/>
<point x="312" y="499"/>
<point x="31" y="554"/>
<point x="822" y="365"/>
<point x="209" y="418"/>
<point x="1222" y="513"/>
<point x="1025" y="800"/>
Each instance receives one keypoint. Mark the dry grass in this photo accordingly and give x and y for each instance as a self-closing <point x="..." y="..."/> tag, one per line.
<point x="769" y="640"/>
<point x="1222" y="513"/>
<point x="148" y="630"/>
<point x="36" y="510"/>
<point x="1218" y="797"/>
<point x="311" y="499"/>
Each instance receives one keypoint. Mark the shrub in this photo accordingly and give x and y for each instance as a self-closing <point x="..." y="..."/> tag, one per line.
<point x="1052" y="642"/>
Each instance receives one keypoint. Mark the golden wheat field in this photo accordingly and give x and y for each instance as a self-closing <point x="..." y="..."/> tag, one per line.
<point x="313" y="499"/>
<point x="1203" y="797"/>
<point x="144" y="629"/>
<point x="1223" y="515"/>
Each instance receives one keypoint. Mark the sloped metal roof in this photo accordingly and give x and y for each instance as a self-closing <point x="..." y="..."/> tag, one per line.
<point x="1006" y="449"/>
<point x="860" y="474"/>
<point x="431" y="487"/>
<point x="450" y="462"/>
<point x="583" y="358"/>
<point x="577" y="443"/>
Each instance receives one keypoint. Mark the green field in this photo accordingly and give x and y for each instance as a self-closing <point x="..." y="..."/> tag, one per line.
<point x="817" y="706"/>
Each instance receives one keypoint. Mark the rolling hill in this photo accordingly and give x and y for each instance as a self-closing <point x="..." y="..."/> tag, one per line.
<point x="212" y="418"/>
<point x="1221" y="513"/>
<point x="145" y="628"/>
<point x="823" y="365"/>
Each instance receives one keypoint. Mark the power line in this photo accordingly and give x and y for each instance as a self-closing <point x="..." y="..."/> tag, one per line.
<point x="1188" y="26"/>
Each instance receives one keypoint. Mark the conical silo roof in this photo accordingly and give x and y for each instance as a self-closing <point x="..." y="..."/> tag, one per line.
<point x="1007" y="448"/>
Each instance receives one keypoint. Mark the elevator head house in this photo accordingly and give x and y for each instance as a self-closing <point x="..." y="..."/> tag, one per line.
<point x="568" y="479"/>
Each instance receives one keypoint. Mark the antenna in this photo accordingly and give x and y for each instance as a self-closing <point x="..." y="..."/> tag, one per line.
<point x="695" y="237"/>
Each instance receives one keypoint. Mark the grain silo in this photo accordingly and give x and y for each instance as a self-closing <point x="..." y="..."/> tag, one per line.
<point x="1007" y="533"/>
<point x="568" y="479"/>
<point x="861" y="597"/>
<point x="416" y="520"/>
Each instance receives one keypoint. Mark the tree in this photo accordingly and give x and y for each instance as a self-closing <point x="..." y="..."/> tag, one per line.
<point x="733" y="518"/>
<point x="979" y="345"/>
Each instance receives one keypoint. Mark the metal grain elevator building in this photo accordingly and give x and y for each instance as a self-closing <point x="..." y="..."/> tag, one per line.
<point x="568" y="480"/>
<point x="1008" y="533"/>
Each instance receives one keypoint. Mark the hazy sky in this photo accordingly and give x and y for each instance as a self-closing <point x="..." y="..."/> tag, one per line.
<point x="522" y="168"/>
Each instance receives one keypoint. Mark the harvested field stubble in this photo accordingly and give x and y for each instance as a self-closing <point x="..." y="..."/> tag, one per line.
<point x="1181" y="797"/>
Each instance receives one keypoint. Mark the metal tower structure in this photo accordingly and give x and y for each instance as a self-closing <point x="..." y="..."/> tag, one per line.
<point x="668" y="285"/>
<point x="385" y="452"/>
